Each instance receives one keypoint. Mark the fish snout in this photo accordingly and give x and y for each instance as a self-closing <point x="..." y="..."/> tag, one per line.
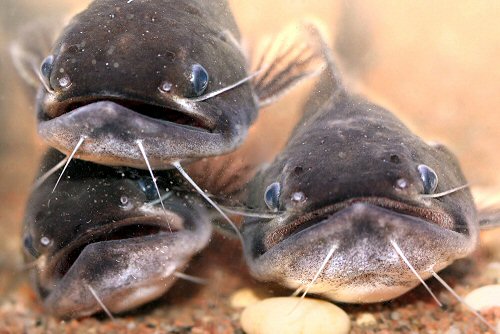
<point x="130" y="265"/>
<point x="364" y="267"/>
<point x="111" y="130"/>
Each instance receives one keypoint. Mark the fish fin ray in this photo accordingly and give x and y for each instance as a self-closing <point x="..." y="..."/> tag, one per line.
<point x="489" y="218"/>
<point x="228" y="175"/>
<point x="295" y="55"/>
<point x="488" y="204"/>
<point x="32" y="45"/>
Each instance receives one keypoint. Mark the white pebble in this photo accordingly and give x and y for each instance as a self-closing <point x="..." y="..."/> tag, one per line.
<point x="292" y="315"/>
<point x="484" y="297"/>
<point x="244" y="297"/>
<point x="492" y="271"/>
<point x="366" y="320"/>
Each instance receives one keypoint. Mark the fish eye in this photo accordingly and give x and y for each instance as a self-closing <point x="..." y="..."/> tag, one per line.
<point x="28" y="245"/>
<point x="148" y="188"/>
<point x="199" y="79"/>
<point x="272" y="196"/>
<point x="429" y="178"/>
<point x="46" y="68"/>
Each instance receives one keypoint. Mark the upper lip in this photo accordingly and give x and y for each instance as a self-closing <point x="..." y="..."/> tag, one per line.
<point x="300" y="222"/>
<point x="171" y="112"/>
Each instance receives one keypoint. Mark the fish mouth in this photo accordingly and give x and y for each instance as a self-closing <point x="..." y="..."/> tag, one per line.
<point x="163" y="113"/>
<point x="123" y="264"/>
<point x="112" y="127"/>
<point x="312" y="218"/>
<point x="364" y="267"/>
<point x="136" y="228"/>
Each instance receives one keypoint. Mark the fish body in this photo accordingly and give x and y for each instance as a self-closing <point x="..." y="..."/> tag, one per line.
<point x="353" y="180"/>
<point x="100" y="232"/>
<point x="169" y="73"/>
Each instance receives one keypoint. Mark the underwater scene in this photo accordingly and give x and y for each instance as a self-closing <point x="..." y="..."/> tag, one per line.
<point x="236" y="166"/>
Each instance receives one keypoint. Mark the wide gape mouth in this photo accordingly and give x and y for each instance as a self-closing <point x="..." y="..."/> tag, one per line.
<point x="120" y="230"/>
<point x="306" y="220"/>
<point x="154" y="111"/>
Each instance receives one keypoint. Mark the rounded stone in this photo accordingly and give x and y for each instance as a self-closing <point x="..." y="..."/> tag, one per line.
<point x="366" y="320"/>
<point x="292" y="315"/>
<point x="484" y="297"/>
<point x="244" y="297"/>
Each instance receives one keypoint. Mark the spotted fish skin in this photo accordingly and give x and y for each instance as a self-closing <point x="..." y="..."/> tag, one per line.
<point x="350" y="180"/>
<point x="143" y="62"/>
<point x="97" y="230"/>
<point x="169" y="73"/>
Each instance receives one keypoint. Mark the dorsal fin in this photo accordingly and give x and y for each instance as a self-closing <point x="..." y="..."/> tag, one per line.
<point x="330" y="82"/>
<point x="331" y="79"/>
<point x="284" y="61"/>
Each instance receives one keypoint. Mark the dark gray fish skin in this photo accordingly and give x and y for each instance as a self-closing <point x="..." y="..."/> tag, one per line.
<point x="136" y="59"/>
<point x="349" y="180"/>
<point x="97" y="230"/>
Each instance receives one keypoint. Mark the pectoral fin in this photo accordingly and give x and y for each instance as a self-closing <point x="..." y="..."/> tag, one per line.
<point x="489" y="218"/>
<point x="32" y="46"/>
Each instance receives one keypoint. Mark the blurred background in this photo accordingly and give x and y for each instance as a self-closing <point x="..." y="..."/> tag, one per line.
<point x="434" y="64"/>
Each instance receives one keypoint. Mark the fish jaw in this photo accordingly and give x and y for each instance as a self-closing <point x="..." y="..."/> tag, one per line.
<point x="123" y="273"/>
<point x="364" y="268"/>
<point x="111" y="132"/>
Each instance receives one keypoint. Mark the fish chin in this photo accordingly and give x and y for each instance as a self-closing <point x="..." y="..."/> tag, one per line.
<point x="365" y="267"/>
<point x="123" y="272"/>
<point x="111" y="131"/>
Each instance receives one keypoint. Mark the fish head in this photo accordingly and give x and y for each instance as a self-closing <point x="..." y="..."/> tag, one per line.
<point x="353" y="179"/>
<point x="98" y="233"/>
<point x="127" y="71"/>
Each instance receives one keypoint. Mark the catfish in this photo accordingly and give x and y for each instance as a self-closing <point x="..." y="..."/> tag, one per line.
<point x="101" y="241"/>
<point x="169" y="73"/>
<point x="356" y="208"/>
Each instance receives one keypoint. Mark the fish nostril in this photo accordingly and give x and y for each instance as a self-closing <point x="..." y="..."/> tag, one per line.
<point x="45" y="241"/>
<point x="165" y="87"/>
<point x="402" y="183"/>
<point x="124" y="200"/>
<point x="298" y="197"/>
<point x="395" y="159"/>
<point x="125" y="203"/>
<point x="298" y="170"/>
<point x="64" y="82"/>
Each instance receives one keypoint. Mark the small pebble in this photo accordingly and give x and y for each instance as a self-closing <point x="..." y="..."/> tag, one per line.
<point x="292" y="315"/>
<point x="243" y="298"/>
<point x="484" y="297"/>
<point x="492" y="272"/>
<point x="366" y="320"/>
<point x="454" y="330"/>
<point x="395" y="315"/>
<point x="489" y="242"/>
